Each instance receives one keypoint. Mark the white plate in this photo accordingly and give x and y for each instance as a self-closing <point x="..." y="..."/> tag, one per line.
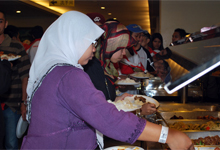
<point x="121" y="83"/>
<point x="12" y="59"/>
<point x="148" y="99"/>
<point x="21" y="127"/>
<point x="129" y="110"/>
<point x="140" y="75"/>
<point x="121" y="106"/>
<point x="126" y="147"/>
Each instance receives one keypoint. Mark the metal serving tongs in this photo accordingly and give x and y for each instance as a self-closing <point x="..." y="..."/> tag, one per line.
<point x="158" y="114"/>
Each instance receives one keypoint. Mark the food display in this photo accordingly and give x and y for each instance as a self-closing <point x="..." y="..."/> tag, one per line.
<point x="175" y="117"/>
<point x="9" y="57"/>
<point x="169" y="107"/>
<point x="208" y="140"/>
<point x="207" y="117"/>
<point x="183" y="109"/>
<point x="196" y="126"/>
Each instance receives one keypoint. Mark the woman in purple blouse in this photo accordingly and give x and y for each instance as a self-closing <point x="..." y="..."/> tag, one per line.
<point x="64" y="108"/>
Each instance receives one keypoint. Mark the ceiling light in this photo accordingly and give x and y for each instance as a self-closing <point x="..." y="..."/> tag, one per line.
<point x="18" y="11"/>
<point x="109" y="14"/>
<point x="115" y="18"/>
<point x="102" y="7"/>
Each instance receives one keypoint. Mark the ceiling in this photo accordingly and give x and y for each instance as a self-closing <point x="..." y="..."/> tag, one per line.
<point x="126" y="11"/>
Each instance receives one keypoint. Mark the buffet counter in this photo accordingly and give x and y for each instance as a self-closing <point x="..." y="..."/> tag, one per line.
<point x="201" y="122"/>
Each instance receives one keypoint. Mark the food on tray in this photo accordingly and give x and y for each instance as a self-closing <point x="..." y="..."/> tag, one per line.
<point x="213" y="140"/>
<point x="206" y="126"/>
<point x="198" y="117"/>
<point x="127" y="80"/>
<point x="124" y="104"/>
<point x="175" y="117"/>
<point x="140" y="98"/>
<point x="142" y="75"/>
<point x="217" y="148"/>
<point x="8" y="56"/>
<point x="124" y="148"/>
<point x="208" y="117"/>
<point x="182" y="109"/>
<point x="199" y="109"/>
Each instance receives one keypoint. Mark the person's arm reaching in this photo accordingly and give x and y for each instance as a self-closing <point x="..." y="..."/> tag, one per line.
<point x="175" y="139"/>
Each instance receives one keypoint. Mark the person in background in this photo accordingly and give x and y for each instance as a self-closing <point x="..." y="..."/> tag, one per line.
<point x="64" y="107"/>
<point x="178" y="34"/>
<point x="144" y="52"/>
<point x="131" y="61"/>
<point x="102" y="82"/>
<point x="134" y="59"/>
<point x="98" y="18"/>
<point x="5" y="78"/>
<point x="96" y="71"/>
<point x="96" y="68"/>
<point x="156" y="43"/>
<point x="13" y="32"/>
<point x="36" y="32"/>
<point x="12" y="100"/>
<point x="158" y="53"/>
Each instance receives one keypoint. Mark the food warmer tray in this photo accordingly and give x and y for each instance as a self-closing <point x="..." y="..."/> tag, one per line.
<point x="189" y="114"/>
<point x="167" y="107"/>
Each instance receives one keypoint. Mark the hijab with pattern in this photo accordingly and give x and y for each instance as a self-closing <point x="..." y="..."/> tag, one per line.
<point x="115" y="38"/>
<point x="63" y="43"/>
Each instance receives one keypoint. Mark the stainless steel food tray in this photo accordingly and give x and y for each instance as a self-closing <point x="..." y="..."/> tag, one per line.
<point x="197" y="147"/>
<point x="189" y="114"/>
<point x="193" y="134"/>
<point x="187" y="121"/>
<point x="167" y="107"/>
<point x="207" y="147"/>
<point x="197" y="134"/>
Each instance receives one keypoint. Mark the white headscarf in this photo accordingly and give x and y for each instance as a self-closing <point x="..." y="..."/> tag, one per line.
<point x="65" y="41"/>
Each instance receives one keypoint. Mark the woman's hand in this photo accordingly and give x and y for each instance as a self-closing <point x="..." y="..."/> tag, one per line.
<point x="148" y="108"/>
<point x="122" y="96"/>
<point x="23" y="111"/>
<point x="176" y="140"/>
<point x="179" y="141"/>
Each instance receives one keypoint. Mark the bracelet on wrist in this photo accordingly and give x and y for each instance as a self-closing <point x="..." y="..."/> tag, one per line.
<point x="163" y="134"/>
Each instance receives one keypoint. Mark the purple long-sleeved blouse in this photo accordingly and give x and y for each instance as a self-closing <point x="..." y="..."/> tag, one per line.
<point x="66" y="110"/>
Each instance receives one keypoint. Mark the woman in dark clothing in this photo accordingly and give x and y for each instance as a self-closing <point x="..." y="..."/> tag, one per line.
<point x="5" y="77"/>
<point x="101" y="69"/>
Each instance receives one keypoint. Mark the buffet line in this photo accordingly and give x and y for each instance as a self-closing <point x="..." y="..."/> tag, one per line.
<point x="199" y="121"/>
